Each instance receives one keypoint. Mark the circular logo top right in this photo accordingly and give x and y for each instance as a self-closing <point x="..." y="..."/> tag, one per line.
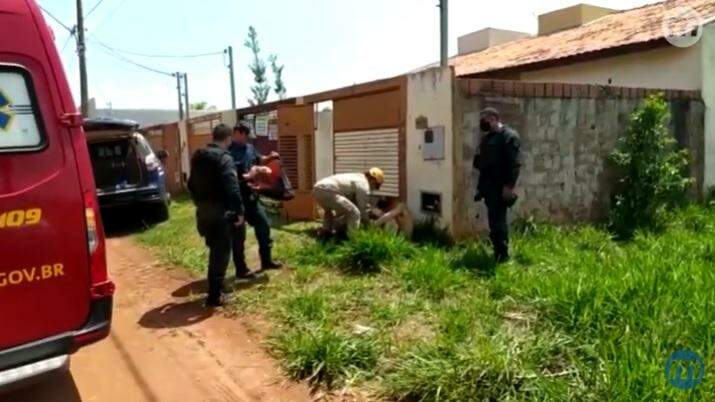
<point x="682" y="26"/>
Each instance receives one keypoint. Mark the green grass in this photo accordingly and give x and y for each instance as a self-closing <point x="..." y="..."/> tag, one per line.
<point x="575" y="315"/>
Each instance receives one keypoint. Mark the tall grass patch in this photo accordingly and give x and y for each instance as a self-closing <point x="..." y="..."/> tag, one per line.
<point x="371" y="250"/>
<point x="324" y="356"/>
<point x="429" y="273"/>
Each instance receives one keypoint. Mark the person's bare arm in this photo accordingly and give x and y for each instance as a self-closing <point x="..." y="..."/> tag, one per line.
<point x="270" y="157"/>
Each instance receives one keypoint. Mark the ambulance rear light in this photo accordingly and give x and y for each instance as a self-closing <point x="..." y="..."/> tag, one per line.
<point x="92" y="236"/>
<point x="100" y="284"/>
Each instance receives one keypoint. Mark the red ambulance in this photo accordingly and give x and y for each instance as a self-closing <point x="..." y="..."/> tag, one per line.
<point x="55" y="295"/>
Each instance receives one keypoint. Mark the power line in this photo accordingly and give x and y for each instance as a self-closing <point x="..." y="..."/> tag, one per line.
<point x="70" y="36"/>
<point x="174" y="56"/>
<point x="109" y="15"/>
<point x="57" y="20"/>
<point x="111" y="52"/>
<point x="93" y="8"/>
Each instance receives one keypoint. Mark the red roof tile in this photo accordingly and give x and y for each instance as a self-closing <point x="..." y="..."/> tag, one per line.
<point x="630" y="27"/>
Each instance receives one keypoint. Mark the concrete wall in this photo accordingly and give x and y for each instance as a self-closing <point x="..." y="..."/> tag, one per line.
<point x="566" y="138"/>
<point x="324" y="144"/>
<point x="670" y="66"/>
<point x="429" y="96"/>
<point x="707" y="44"/>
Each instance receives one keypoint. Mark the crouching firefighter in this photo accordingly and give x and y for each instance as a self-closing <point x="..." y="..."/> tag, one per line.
<point x="345" y="199"/>
<point x="219" y="209"/>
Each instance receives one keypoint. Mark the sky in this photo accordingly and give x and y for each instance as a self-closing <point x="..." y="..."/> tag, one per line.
<point x="324" y="44"/>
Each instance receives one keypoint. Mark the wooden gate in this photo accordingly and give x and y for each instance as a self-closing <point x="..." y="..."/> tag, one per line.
<point x="173" y="161"/>
<point x="166" y="137"/>
<point x="295" y="144"/>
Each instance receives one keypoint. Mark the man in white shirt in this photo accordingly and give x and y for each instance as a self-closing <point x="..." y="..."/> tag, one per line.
<point x="347" y="196"/>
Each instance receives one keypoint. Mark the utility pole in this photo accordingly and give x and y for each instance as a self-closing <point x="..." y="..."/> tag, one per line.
<point x="178" y="91"/>
<point x="84" y="92"/>
<point x="186" y="94"/>
<point x="230" y="73"/>
<point x="444" y="32"/>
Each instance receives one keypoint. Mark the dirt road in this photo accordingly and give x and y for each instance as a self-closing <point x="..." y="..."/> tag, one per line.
<point x="165" y="346"/>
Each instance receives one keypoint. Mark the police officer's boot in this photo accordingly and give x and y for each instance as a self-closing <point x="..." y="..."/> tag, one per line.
<point x="267" y="261"/>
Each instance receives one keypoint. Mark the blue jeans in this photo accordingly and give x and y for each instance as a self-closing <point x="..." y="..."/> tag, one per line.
<point x="255" y="216"/>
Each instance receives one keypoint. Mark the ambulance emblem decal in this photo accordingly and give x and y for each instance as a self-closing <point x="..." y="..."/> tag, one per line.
<point x="6" y="113"/>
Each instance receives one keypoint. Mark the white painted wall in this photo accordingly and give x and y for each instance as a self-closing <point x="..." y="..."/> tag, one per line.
<point x="667" y="67"/>
<point x="429" y="94"/>
<point x="707" y="44"/>
<point x="323" y="144"/>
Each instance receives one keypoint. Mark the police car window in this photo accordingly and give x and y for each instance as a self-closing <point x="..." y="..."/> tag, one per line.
<point x="143" y="145"/>
<point x="20" y="128"/>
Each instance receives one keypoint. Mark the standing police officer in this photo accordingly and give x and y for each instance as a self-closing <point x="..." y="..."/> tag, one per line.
<point x="219" y="209"/>
<point x="245" y="157"/>
<point x="498" y="162"/>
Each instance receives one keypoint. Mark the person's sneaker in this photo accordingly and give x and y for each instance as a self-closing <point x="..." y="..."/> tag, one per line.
<point x="215" y="301"/>
<point x="271" y="265"/>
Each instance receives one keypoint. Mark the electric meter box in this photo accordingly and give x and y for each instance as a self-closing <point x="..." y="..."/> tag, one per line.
<point x="433" y="143"/>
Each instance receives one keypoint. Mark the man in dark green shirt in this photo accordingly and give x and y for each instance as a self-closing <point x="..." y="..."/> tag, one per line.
<point x="219" y="208"/>
<point x="498" y="163"/>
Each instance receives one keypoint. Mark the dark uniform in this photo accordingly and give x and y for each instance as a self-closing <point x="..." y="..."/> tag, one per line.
<point x="245" y="157"/>
<point x="498" y="162"/>
<point x="215" y="190"/>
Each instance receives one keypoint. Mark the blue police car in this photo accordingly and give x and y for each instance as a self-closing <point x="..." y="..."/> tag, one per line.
<point x="127" y="171"/>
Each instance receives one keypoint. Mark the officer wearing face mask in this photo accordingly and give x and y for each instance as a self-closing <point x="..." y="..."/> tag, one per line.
<point x="498" y="163"/>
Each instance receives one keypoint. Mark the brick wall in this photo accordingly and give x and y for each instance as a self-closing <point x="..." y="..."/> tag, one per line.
<point x="567" y="132"/>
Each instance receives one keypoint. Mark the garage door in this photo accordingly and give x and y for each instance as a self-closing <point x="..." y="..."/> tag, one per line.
<point x="357" y="151"/>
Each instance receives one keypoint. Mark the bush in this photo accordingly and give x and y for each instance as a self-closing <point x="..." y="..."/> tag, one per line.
<point x="324" y="356"/>
<point x="369" y="250"/>
<point x="653" y="172"/>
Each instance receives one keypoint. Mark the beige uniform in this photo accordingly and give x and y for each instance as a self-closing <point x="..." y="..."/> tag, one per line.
<point x="343" y="196"/>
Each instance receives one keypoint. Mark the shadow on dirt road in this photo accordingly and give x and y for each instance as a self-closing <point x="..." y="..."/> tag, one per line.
<point x="175" y="315"/>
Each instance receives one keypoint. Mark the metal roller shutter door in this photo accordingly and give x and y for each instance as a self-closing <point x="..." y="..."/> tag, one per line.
<point x="357" y="151"/>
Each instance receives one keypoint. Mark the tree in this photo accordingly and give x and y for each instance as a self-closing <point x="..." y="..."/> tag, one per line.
<point x="199" y="105"/>
<point x="652" y="170"/>
<point x="261" y="88"/>
<point x="279" y="85"/>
